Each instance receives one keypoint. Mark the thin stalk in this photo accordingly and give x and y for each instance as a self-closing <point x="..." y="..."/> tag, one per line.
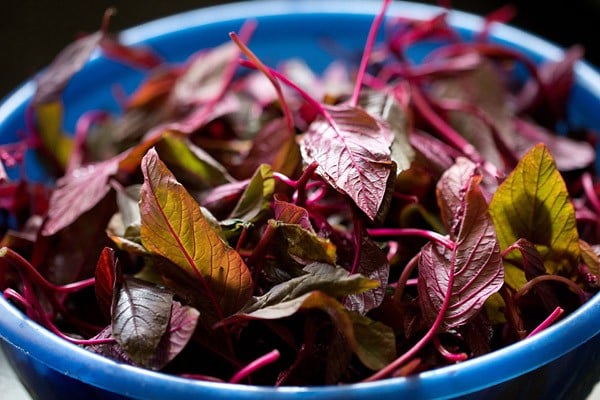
<point x="399" y="232"/>
<point x="289" y="119"/>
<point x="556" y="314"/>
<point x="255" y="365"/>
<point x="447" y="354"/>
<point x="450" y="134"/>
<point x="403" y="279"/>
<point x="367" y="52"/>
<point x="398" y="362"/>
<point x="550" y="278"/>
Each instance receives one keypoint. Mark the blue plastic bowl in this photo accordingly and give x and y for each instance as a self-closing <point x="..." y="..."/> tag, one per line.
<point x="560" y="362"/>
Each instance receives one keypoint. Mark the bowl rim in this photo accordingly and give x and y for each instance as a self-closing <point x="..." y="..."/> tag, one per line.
<point x="97" y="370"/>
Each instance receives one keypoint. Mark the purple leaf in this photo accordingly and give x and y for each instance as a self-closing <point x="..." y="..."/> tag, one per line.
<point x="568" y="154"/>
<point x="180" y="330"/>
<point x="476" y="261"/>
<point x="182" y="325"/>
<point x="451" y="193"/>
<point x="140" y="316"/>
<point x="432" y="152"/>
<point x="78" y="192"/>
<point x="69" y="61"/>
<point x="205" y="75"/>
<point x="105" y="275"/>
<point x="374" y="265"/>
<point x="353" y="153"/>
<point x="291" y="214"/>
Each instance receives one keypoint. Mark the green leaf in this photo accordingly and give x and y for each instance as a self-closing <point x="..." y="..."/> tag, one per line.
<point x="373" y="342"/>
<point x="334" y="281"/>
<point x="49" y="124"/>
<point x="190" y="163"/>
<point x="256" y="199"/>
<point x="533" y="203"/>
<point x="299" y="242"/>
<point x="174" y="227"/>
<point x="386" y="106"/>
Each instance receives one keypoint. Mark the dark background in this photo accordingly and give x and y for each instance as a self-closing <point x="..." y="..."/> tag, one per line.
<point x="33" y="31"/>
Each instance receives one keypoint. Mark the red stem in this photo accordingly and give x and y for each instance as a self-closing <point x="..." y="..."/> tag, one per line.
<point x="367" y="52"/>
<point x="397" y="232"/>
<point x="447" y="354"/>
<point x="398" y="362"/>
<point x="289" y="119"/>
<point x="255" y="365"/>
<point x="548" y="321"/>
<point x="449" y="133"/>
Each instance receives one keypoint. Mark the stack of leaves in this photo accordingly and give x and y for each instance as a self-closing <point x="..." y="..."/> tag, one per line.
<point x="263" y="224"/>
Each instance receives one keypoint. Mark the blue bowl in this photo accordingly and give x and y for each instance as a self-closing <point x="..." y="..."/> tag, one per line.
<point x="560" y="362"/>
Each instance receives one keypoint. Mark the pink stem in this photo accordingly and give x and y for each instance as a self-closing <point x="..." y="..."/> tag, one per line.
<point x="255" y="365"/>
<point x="367" y="52"/>
<point x="447" y="354"/>
<point x="548" y="321"/>
<point x="289" y="119"/>
<point x="396" y="232"/>
<point x="588" y="187"/>
<point x="398" y="362"/>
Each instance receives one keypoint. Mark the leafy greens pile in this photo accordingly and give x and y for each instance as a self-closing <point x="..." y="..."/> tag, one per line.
<point x="245" y="223"/>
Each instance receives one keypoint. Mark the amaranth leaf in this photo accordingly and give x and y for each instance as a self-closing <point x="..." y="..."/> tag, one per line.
<point x="140" y="316"/>
<point x="533" y="203"/>
<point x="174" y="227"/>
<point x="373" y="264"/>
<point x="352" y="149"/>
<point x="475" y="260"/>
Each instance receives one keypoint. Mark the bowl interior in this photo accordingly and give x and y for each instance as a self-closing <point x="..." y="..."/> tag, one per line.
<point x="315" y="31"/>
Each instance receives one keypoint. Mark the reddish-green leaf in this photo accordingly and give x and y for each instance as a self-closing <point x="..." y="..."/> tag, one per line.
<point x="193" y="166"/>
<point x="105" y="275"/>
<point x="294" y="240"/>
<point x="174" y="227"/>
<point x="57" y="144"/>
<point x="256" y="199"/>
<point x="291" y="214"/>
<point x="353" y="153"/>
